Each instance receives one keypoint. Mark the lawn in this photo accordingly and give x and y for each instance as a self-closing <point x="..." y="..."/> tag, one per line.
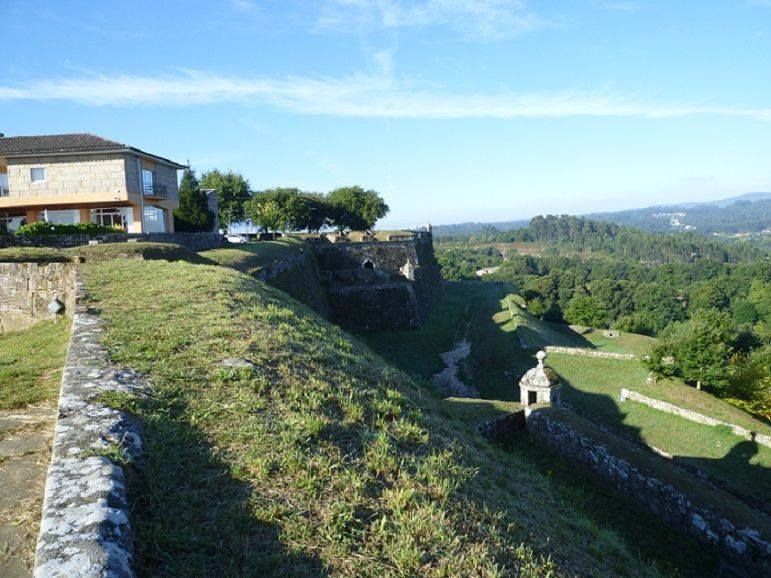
<point x="251" y="257"/>
<point x="320" y="460"/>
<point x="592" y="386"/>
<point x="31" y="362"/>
<point x="639" y="345"/>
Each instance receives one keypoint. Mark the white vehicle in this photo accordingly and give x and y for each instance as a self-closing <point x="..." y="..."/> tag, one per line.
<point x="235" y="238"/>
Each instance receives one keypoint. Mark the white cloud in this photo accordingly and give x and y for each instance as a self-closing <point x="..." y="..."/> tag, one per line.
<point x="483" y="19"/>
<point x="351" y="96"/>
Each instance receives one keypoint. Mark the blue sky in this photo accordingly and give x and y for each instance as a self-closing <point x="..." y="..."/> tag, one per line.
<point x="454" y="110"/>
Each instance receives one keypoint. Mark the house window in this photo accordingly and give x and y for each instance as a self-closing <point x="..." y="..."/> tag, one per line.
<point x="38" y="174"/>
<point x="63" y="217"/>
<point x="148" y="181"/>
<point x="9" y="222"/>
<point x="122" y="217"/>
<point x="4" y="190"/>
<point x="155" y="221"/>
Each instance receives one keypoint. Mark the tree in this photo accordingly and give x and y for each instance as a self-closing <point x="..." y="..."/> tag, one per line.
<point x="587" y="311"/>
<point x="193" y="214"/>
<point x="232" y="192"/>
<point x="267" y="212"/>
<point x="698" y="350"/>
<point x="356" y="209"/>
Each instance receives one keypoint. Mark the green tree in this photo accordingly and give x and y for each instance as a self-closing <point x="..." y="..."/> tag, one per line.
<point x="587" y="311"/>
<point x="698" y="350"/>
<point x="193" y="214"/>
<point x="267" y="212"/>
<point x="356" y="209"/>
<point x="232" y="192"/>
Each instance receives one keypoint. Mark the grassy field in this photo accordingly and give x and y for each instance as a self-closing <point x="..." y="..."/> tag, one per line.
<point x="31" y="362"/>
<point x="251" y="257"/>
<point x="639" y="345"/>
<point x="321" y="460"/>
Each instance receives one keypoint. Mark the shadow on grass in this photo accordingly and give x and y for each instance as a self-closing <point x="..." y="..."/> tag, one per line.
<point x="184" y="485"/>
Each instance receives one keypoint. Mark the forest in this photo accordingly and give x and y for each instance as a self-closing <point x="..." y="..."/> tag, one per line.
<point x="708" y="302"/>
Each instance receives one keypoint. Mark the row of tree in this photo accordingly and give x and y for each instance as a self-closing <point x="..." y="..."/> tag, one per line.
<point x="278" y="209"/>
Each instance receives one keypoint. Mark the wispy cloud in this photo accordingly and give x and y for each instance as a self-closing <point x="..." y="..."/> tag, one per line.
<point x="356" y="95"/>
<point x="618" y="5"/>
<point x="482" y="19"/>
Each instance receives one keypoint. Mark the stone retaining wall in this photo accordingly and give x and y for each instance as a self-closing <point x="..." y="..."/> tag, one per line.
<point x="496" y="428"/>
<point x="193" y="241"/>
<point x="588" y="352"/>
<point x="85" y="528"/>
<point x="693" y="416"/>
<point x="26" y="289"/>
<point x="744" y="547"/>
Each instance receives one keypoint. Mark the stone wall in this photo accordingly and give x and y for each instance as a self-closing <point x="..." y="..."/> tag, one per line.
<point x="85" y="528"/>
<point x="380" y="285"/>
<point x="193" y="241"/>
<point x="693" y="416"/>
<point x="26" y="289"/>
<point x="68" y="175"/>
<point x="585" y="352"/>
<point x="745" y="547"/>
<point x="497" y="428"/>
<point x="298" y="277"/>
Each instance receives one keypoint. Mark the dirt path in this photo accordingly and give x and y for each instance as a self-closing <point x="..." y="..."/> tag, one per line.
<point x="25" y="450"/>
<point x="447" y="381"/>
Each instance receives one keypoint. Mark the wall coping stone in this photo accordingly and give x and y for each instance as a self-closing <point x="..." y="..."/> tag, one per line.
<point x="85" y="529"/>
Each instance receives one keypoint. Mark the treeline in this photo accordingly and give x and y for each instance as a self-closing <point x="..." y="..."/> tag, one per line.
<point x="570" y="234"/>
<point x="739" y="217"/>
<point x="277" y="209"/>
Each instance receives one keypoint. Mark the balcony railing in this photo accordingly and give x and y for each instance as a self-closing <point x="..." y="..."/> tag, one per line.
<point x="156" y="190"/>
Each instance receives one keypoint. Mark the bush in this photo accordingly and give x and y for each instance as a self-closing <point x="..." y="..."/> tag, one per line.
<point x="84" y="228"/>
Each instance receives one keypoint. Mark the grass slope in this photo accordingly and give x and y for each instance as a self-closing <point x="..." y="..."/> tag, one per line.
<point x="30" y="363"/>
<point x="322" y="460"/>
<point x="251" y="257"/>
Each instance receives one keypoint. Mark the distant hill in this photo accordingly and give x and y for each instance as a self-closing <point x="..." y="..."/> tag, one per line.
<point x="749" y="213"/>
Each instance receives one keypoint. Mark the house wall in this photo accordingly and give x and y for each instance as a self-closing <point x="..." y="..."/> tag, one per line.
<point x="83" y="176"/>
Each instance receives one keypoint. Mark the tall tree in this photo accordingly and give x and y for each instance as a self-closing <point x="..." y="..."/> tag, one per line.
<point x="232" y="192"/>
<point x="268" y="212"/>
<point x="356" y="209"/>
<point x="193" y="214"/>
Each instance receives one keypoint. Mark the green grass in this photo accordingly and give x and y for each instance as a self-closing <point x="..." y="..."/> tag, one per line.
<point x="639" y="345"/>
<point x="31" y="362"/>
<point x="33" y="255"/>
<point x="251" y="257"/>
<point x="536" y="333"/>
<point x="592" y="386"/>
<point x="322" y="460"/>
<point x="474" y="411"/>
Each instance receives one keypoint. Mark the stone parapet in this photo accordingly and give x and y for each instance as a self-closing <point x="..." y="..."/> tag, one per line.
<point x="26" y="290"/>
<point x="192" y="241"/>
<point x="744" y="548"/>
<point x="85" y="528"/>
<point x="588" y="352"/>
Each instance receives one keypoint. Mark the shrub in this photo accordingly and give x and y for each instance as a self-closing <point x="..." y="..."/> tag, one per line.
<point x="84" y="228"/>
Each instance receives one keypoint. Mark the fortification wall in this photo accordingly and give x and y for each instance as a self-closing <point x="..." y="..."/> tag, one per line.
<point x="402" y="282"/>
<point x="26" y="289"/>
<point x="744" y="547"/>
<point x="298" y="277"/>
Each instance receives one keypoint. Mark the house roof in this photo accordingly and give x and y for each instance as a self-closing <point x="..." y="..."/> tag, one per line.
<point x="68" y="144"/>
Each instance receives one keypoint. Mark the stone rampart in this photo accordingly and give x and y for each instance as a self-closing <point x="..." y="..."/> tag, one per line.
<point x="496" y="428"/>
<point x="744" y="547"/>
<point x="85" y="528"/>
<point x="585" y="352"/>
<point x="192" y="241"/>
<point x="27" y="289"/>
<point x="380" y="285"/>
<point x="742" y="432"/>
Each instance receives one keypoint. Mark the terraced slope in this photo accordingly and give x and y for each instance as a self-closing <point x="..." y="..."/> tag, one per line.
<point x="320" y="460"/>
